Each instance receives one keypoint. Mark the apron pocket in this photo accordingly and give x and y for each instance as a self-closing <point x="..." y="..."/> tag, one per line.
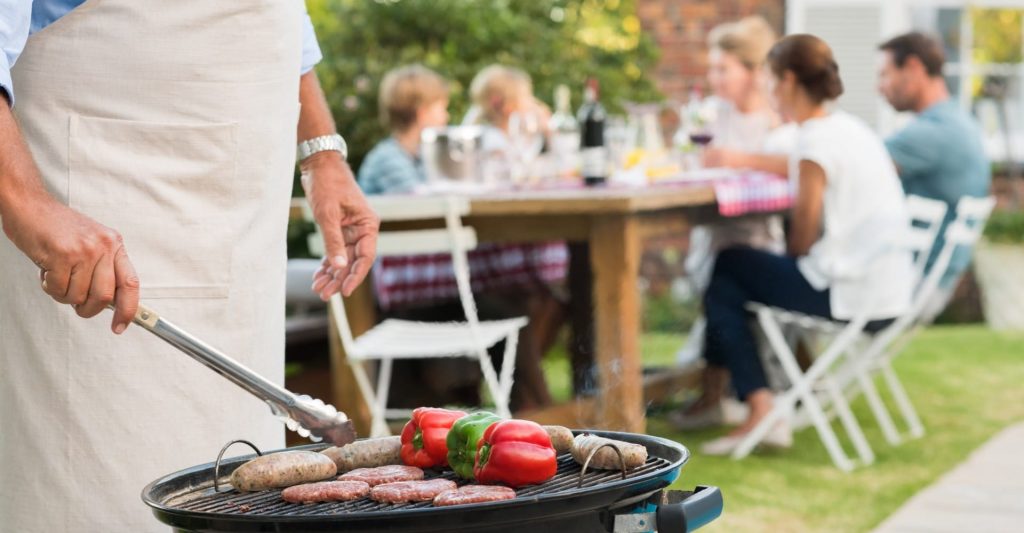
<point x="169" y="189"/>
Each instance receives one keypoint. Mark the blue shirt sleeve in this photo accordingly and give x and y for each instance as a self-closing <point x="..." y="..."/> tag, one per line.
<point x="311" y="54"/>
<point x="15" y="18"/>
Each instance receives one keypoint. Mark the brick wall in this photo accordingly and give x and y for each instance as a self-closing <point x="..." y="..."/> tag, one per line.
<point x="680" y="29"/>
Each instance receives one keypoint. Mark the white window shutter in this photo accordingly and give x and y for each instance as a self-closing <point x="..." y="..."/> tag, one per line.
<point x="853" y="31"/>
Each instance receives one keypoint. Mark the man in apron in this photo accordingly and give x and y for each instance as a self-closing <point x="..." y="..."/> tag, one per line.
<point x="151" y="158"/>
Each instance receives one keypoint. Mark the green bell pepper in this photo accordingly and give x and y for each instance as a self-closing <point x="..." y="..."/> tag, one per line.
<point x="463" y="438"/>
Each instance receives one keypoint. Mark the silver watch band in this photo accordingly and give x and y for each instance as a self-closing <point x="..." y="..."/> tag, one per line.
<point x="319" y="144"/>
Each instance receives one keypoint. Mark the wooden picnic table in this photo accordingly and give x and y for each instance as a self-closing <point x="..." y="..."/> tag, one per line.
<point x="615" y="222"/>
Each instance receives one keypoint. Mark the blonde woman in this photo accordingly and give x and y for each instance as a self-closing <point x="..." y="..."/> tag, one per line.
<point x="744" y="122"/>
<point x="498" y="92"/>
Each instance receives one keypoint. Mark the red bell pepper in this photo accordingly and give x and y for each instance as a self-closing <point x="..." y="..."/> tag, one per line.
<point x="424" y="437"/>
<point x="516" y="453"/>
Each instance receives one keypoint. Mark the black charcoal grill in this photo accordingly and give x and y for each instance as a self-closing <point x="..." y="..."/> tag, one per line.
<point x="573" y="501"/>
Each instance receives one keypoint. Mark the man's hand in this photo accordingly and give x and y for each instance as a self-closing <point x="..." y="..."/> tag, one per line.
<point x="81" y="262"/>
<point x="348" y="224"/>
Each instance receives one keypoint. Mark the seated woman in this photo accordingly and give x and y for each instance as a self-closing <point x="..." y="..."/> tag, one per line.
<point x="843" y="260"/>
<point x="744" y="121"/>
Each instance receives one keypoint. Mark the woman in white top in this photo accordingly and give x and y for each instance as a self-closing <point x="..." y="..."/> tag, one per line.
<point x="744" y="121"/>
<point x="846" y="221"/>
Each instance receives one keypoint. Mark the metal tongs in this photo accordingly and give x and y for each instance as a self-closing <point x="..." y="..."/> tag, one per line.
<point x="309" y="417"/>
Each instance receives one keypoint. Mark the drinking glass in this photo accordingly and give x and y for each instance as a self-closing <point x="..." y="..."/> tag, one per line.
<point x="526" y="136"/>
<point x="697" y="122"/>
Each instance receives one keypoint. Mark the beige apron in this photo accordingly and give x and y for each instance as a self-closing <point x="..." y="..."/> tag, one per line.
<point x="173" y="123"/>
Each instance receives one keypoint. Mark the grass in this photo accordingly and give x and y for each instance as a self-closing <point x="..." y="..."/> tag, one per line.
<point x="964" y="380"/>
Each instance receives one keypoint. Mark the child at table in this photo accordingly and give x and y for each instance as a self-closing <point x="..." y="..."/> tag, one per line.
<point x="412" y="99"/>
<point x="500" y="95"/>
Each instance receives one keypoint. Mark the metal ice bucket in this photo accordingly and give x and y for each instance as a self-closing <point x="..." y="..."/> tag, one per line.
<point x="453" y="153"/>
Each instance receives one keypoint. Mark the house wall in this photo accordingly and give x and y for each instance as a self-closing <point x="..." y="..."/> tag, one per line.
<point x="680" y="28"/>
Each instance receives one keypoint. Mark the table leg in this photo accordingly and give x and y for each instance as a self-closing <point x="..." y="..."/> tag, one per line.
<point x="581" y="317"/>
<point x="361" y="316"/>
<point x="615" y="259"/>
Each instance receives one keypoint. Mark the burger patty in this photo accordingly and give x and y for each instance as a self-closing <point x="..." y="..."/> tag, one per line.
<point x="383" y="474"/>
<point x="474" y="494"/>
<point x="326" y="491"/>
<point x="411" y="491"/>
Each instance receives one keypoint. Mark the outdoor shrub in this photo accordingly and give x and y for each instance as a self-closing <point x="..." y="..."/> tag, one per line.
<point x="1005" y="227"/>
<point x="555" y="41"/>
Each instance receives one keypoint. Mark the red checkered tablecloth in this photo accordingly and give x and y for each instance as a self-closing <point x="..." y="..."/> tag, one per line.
<point x="403" y="282"/>
<point x="752" y="192"/>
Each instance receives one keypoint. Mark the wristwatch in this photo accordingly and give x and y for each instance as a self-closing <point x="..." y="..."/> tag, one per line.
<point x="319" y="144"/>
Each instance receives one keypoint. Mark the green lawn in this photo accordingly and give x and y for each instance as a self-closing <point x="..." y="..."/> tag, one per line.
<point x="966" y="383"/>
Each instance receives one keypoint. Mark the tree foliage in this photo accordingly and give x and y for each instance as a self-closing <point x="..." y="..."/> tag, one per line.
<point x="555" y="41"/>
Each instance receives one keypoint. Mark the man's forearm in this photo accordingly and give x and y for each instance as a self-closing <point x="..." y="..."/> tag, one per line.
<point x="315" y="116"/>
<point x="775" y="164"/>
<point x="19" y="177"/>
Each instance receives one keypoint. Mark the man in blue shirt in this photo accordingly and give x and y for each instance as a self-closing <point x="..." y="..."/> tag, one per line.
<point x="939" y="154"/>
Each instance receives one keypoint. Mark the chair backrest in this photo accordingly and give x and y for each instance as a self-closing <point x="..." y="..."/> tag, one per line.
<point x="411" y="242"/>
<point x="453" y="239"/>
<point x="964" y="231"/>
<point x="926" y="217"/>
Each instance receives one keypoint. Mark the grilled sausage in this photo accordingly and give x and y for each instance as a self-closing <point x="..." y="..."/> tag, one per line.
<point x="282" y="469"/>
<point x="634" y="455"/>
<point x="474" y="494"/>
<point x="561" y="438"/>
<point x="366" y="453"/>
<point x="325" y="491"/>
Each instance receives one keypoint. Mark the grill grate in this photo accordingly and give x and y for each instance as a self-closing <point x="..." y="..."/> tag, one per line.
<point x="269" y="503"/>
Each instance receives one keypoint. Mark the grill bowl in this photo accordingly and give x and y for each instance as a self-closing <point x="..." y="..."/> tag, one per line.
<point x="186" y="500"/>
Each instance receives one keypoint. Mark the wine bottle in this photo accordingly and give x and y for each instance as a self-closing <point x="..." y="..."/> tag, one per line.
<point x="565" y="134"/>
<point x="591" y="117"/>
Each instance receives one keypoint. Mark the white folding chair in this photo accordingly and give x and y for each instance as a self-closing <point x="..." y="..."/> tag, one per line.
<point x="402" y="339"/>
<point x="819" y="387"/>
<point x="964" y="232"/>
<point x="926" y="217"/>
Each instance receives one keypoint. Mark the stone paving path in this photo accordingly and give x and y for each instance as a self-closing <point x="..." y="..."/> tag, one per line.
<point x="984" y="493"/>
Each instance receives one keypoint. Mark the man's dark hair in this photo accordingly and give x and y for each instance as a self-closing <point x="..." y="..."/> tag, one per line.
<point x="926" y="49"/>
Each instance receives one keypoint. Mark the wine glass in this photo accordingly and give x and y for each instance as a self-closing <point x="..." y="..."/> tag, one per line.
<point x="697" y="123"/>
<point x="526" y="137"/>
